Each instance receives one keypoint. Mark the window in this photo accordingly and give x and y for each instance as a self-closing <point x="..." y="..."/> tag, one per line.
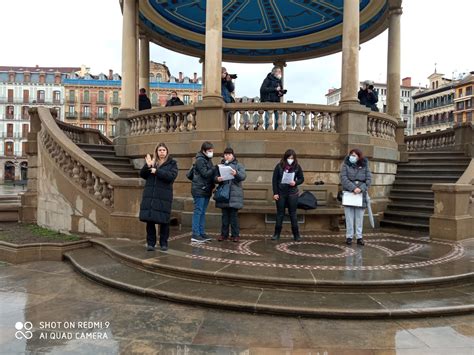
<point x="460" y="106"/>
<point x="40" y="96"/>
<point x="23" y="148"/>
<point x="25" y="128"/>
<point x="469" y="116"/>
<point x="115" y="112"/>
<point x="56" y="97"/>
<point x="469" y="103"/>
<point x="112" y="130"/>
<point x="199" y="97"/>
<point x="405" y="110"/>
<point x="72" y="96"/>
<point x="101" y="98"/>
<point x="86" y="126"/>
<point x="24" y="113"/>
<point x="154" y="98"/>
<point x="384" y="108"/>
<point x="71" y="109"/>
<point x="115" y="98"/>
<point x="460" y="92"/>
<point x="10" y="113"/>
<point x="469" y="90"/>
<point x="101" y="113"/>
<point x="86" y="98"/>
<point x="159" y="78"/>
<point x="87" y="112"/>
<point x="186" y="99"/>
<point x="26" y="96"/>
<point x="459" y="117"/>
<point x="8" y="148"/>
<point x="101" y="127"/>
<point x="152" y="78"/>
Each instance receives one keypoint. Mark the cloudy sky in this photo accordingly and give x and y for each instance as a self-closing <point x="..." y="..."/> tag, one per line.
<point x="71" y="33"/>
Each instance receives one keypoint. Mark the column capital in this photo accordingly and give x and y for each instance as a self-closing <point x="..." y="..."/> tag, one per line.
<point x="280" y="63"/>
<point x="392" y="11"/>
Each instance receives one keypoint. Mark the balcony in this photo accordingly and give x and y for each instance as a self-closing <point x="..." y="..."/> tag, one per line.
<point x="101" y="101"/>
<point x="25" y="116"/>
<point x="115" y="101"/>
<point x="85" y="115"/>
<point x="9" y="116"/>
<point x="58" y="102"/>
<point x="101" y="115"/>
<point x="71" y="115"/>
<point x="86" y="100"/>
<point x="71" y="100"/>
<point x="11" y="135"/>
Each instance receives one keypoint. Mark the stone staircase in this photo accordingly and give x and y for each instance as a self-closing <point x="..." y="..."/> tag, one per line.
<point x="105" y="154"/>
<point x="9" y="208"/>
<point x="412" y="201"/>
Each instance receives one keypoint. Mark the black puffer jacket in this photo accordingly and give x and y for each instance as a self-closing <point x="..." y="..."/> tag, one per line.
<point x="286" y="189"/>
<point x="268" y="90"/>
<point x="158" y="193"/>
<point x="236" y="191"/>
<point x="355" y="175"/>
<point x="143" y="102"/>
<point x="203" y="179"/>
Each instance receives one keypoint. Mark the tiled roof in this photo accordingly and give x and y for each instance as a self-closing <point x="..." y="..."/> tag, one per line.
<point x="39" y="69"/>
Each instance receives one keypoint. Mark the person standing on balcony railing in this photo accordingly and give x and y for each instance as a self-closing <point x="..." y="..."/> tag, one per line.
<point x="355" y="177"/>
<point x="143" y="100"/>
<point x="287" y="175"/>
<point x="368" y="96"/>
<point x="155" y="208"/>
<point x="201" y="190"/>
<point x="272" y="91"/>
<point x="230" y="208"/>
<point x="227" y="88"/>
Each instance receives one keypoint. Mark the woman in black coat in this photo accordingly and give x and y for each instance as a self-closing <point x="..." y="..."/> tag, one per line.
<point x="155" y="208"/>
<point x="286" y="194"/>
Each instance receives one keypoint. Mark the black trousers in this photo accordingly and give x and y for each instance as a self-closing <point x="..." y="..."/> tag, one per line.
<point x="290" y="202"/>
<point x="230" y="216"/>
<point x="151" y="234"/>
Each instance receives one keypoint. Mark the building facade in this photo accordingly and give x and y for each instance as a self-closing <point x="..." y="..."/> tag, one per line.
<point x="20" y="89"/>
<point x="463" y="98"/>
<point x="434" y="105"/>
<point x="93" y="101"/>
<point x="406" y="102"/>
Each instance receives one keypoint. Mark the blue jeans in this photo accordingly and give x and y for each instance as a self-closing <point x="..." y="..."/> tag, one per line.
<point x="354" y="215"/>
<point x="199" y="215"/>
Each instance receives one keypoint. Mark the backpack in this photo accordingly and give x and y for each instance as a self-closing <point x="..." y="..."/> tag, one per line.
<point x="190" y="173"/>
<point x="307" y="201"/>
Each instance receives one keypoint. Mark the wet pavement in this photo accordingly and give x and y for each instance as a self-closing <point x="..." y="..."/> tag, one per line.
<point x="61" y="312"/>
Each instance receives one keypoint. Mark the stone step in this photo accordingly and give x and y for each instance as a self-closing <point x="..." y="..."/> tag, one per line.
<point x="431" y="170"/>
<point x="110" y="158"/>
<point x="93" y="151"/>
<point x="412" y="200"/>
<point x="440" y="160"/>
<point x="101" y="147"/>
<point x="435" y="178"/>
<point x="104" y="269"/>
<point x="409" y="206"/>
<point x="389" y="223"/>
<point x="426" y="193"/>
<point x="412" y="185"/>
<point x="408" y="216"/>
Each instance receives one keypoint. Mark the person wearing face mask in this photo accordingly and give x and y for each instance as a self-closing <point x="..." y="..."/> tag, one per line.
<point x="272" y="90"/>
<point x="155" y="208"/>
<point x="355" y="177"/>
<point x="286" y="194"/>
<point x="230" y="208"/>
<point x="201" y="190"/>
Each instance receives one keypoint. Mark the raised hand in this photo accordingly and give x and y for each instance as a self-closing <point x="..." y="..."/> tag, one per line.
<point x="148" y="160"/>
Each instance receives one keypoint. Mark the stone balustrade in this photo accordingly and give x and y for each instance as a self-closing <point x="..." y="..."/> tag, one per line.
<point x="381" y="125"/>
<point x="433" y="140"/>
<point x="284" y="116"/>
<point x="163" y="120"/>
<point x="83" y="135"/>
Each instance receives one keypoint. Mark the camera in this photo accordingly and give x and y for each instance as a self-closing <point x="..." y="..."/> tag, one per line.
<point x="370" y="87"/>
<point x="284" y="91"/>
<point x="233" y="76"/>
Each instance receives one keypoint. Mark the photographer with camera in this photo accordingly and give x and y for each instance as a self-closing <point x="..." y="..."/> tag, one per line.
<point x="272" y="91"/>
<point x="227" y="88"/>
<point x="368" y="96"/>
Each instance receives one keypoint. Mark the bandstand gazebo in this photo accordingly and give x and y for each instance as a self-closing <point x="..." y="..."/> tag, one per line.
<point x="256" y="32"/>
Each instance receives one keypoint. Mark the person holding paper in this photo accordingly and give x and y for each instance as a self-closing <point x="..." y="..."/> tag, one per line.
<point x="230" y="216"/>
<point x="355" y="177"/>
<point x="287" y="175"/>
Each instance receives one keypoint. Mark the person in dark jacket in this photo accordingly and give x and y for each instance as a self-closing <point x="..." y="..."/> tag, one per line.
<point x="201" y="190"/>
<point x="175" y="100"/>
<point x="286" y="194"/>
<point x="368" y="96"/>
<point x="155" y="208"/>
<point x="143" y="100"/>
<point x="236" y="201"/>
<point x="272" y="91"/>
<point x="355" y="177"/>
<point x="227" y="87"/>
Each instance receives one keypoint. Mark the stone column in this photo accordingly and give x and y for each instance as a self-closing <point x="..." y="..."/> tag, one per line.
<point x="350" y="52"/>
<point x="203" y="63"/>
<point x="282" y="65"/>
<point x="213" y="56"/>
<point x="393" y="63"/>
<point x="210" y="117"/>
<point x="129" y="58"/>
<point x="144" y="69"/>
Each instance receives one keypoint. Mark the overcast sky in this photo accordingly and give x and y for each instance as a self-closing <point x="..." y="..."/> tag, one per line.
<point x="70" y="33"/>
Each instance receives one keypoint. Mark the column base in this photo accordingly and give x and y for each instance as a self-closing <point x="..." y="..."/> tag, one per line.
<point x="454" y="228"/>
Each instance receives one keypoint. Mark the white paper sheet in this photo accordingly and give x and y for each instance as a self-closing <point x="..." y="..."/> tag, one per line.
<point x="287" y="178"/>
<point x="225" y="172"/>
<point x="351" y="199"/>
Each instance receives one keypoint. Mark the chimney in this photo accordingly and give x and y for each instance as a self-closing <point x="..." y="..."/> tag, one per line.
<point x="111" y="74"/>
<point x="180" y="76"/>
<point x="406" y="81"/>
<point x="195" y="78"/>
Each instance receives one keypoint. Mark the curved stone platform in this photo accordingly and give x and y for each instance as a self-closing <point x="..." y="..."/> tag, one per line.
<point x="392" y="275"/>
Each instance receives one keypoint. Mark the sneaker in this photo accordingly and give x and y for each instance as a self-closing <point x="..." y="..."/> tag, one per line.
<point x="297" y="238"/>
<point x="276" y="237"/>
<point x="221" y="238"/>
<point x="360" y="241"/>
<point x="164" y="248"/>
<point x="349" y="241"/>
<point x="150" y="248"/>
<point x="236" y="239"/>
<point x="206" y="238"/>
<point x="197" y="239"/>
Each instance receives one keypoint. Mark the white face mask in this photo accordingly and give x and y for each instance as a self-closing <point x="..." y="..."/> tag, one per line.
<point x="290" y="161"/>
<point x="209" y="154"/>
<point x="278" y="76"/>
<point x="226" y="162"/>
<point x="353" y="159"/>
